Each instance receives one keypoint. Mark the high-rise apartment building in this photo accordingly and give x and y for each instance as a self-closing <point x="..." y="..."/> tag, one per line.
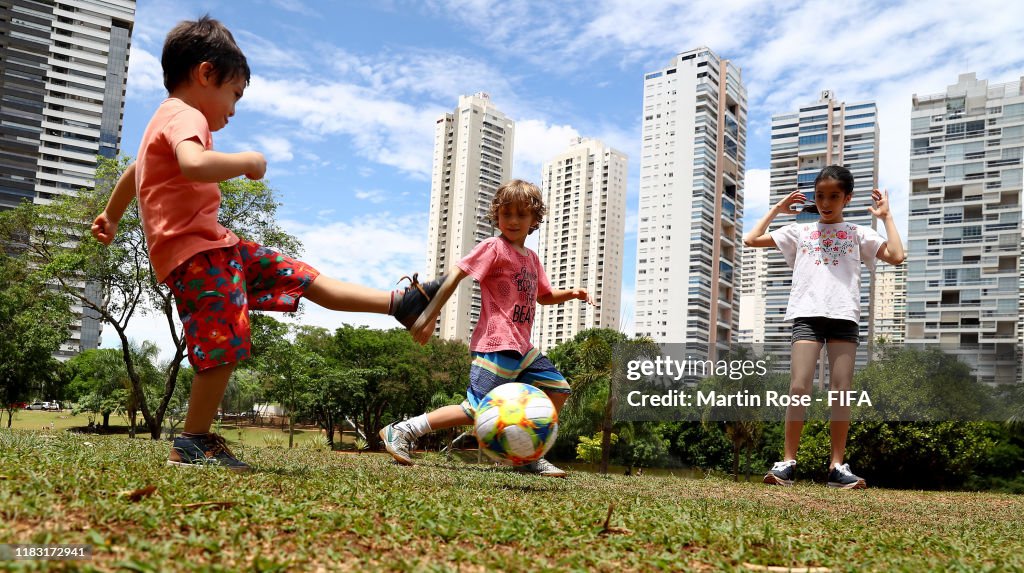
<point x="1020" y="312"/>
<point x="753" y="278"/>
<point x="826" y="132"/>
<point x="889" y="301"/>
<point x="691" y="202"/>
<point x="63" y="72"/>
<point x="472" y="158"/>
<point x="963" y="274"/>
<point x="581" y="240"/>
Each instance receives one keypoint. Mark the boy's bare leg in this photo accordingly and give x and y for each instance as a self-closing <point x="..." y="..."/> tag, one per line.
<point x="448" y="417"/>
<point x="558" y="399"/>
<point x="207" y="391"/>
<point x="842" y="355"/>
<point x="337" y="295"/>
<point x="803" y="359"/>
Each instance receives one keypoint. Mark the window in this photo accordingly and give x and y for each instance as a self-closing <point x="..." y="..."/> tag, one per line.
<point x="813" y="139"/>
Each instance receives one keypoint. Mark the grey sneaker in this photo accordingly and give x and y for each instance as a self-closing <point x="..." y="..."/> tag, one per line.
<point x="415" y="299"/>
<point x="206" y="450"/>
<point x="398" y="442"/>
<point x="781" y="473"/>
<point x="542" y="467"/>
<point x="842" y="477"/>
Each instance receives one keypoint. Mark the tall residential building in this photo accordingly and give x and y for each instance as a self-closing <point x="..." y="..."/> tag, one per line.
<point x="691" y="202"/>
<point x="1020" y="312"/>
<point x="753" y="278"/>
<point x="63" y="71"/>
<point x="826" y="132"/>
<point x="889" y="296"/>
<point x="472" y="158"/>
<point x="582" y="238"/>
<point x="963" y="276"/>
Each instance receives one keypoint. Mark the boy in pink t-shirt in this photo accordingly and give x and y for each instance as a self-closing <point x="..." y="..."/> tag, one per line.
<point x="512" y="282"/>
<point x="217" y="278"/>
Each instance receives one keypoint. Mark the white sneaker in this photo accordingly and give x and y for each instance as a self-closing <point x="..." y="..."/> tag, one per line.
<point x="398" y="442"/>
<point x="542" y="467"/>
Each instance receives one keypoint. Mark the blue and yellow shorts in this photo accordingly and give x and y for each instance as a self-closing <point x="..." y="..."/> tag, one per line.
<point x="492" y="369"/>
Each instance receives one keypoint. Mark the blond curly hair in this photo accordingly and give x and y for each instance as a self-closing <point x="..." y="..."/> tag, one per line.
<point x="521" y="193"/>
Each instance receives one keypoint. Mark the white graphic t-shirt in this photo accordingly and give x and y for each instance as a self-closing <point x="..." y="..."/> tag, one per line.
<point x="825" y="259"/>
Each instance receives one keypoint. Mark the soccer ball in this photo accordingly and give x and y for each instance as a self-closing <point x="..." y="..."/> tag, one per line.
<point x="516" y="423"/>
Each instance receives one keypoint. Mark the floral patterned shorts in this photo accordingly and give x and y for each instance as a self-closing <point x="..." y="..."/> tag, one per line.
<point x="214" y="291"/>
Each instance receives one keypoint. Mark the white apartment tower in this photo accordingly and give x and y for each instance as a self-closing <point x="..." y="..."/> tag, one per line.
<point x="889" y="301"/>
<point x="963" y="274"/>
<point x="826" y="132"/>
<point x="753" y="279"/>
<point x="472" y="158"/>
<point x="691" y="202"/>
<point x="63" y="72"/>
<point x="581" y="240"/>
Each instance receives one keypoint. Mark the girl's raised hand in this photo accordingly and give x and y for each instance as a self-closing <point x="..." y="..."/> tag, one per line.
<point x="786" y="205"/>
<point x="881" y="207"/>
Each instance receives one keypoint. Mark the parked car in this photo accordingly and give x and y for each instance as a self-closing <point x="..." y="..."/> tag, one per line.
<point x="37" y="405"/>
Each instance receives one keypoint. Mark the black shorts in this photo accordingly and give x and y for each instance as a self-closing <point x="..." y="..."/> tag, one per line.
<point x="823" y="329"/>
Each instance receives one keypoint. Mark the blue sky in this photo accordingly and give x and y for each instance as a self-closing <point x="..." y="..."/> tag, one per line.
<point x="344" y="95"/>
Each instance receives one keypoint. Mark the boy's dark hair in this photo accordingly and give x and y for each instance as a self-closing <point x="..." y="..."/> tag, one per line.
<point x="204" y="40"/>
<point x="839" y="174"/>
<point x="518" y="192"/>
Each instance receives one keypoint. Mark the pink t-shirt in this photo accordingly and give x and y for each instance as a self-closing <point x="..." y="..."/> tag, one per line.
<point x="510" y="283"/>
<point x="179" y="216"/>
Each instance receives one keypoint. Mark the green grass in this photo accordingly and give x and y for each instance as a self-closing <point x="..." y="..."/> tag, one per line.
<point x="251" y="435"/>
<point x="310" y="510"/>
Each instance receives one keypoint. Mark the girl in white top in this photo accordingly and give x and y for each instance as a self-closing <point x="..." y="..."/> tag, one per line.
<point x="824" y="303"/>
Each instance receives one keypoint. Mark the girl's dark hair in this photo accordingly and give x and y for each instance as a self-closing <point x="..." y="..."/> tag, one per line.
<point x="204" y="40"/>
<point x="839" y="174"/>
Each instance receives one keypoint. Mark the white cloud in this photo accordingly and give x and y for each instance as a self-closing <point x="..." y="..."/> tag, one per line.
<point x="261" y="53"/>
<point x="275" y="148"/>
<point x="387" y="131"/>
<point x="373" y="250"/>
<point x="536" y="142"/>
<point x="371" y="195"/>
<point x="297" y="6"/>
<point x="145" y="75"/>
<point x="755" y="196"/>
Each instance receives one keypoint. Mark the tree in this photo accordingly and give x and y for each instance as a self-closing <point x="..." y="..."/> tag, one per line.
<point x="743" y="425"/>
<point x="396" y="380"/>
<point x="280" y="363"/>
<point x="34" y="321"/>
<point x="62" y="251"/>
<point x="589" y="448"/>
<point x="99" y="383"/>
<point x="588" y="362"/>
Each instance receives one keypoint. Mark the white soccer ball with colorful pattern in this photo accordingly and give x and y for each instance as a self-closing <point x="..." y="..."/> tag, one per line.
<point x="516" y="424"/>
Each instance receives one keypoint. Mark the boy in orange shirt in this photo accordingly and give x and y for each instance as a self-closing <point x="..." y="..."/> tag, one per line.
<point x="217" y="278"/>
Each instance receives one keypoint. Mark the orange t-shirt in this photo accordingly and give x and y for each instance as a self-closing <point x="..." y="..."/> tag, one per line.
<point x="179" y="216"/>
